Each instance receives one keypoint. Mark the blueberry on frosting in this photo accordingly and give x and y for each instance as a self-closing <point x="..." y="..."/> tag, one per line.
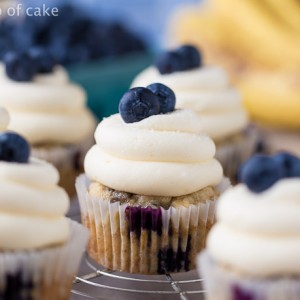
<point x="19" y="66"/>
<point x="190" y="56"/>
<point x="42" y="59"/>
<point x="24" y="66"/>
<point x="290" y="164"/>
<point x="14" y="148"/>
<point x="168" y="62"/>
<point x="261" y="171"/>
<point x="137" y="104"/>
<point x="165" y="95"/>
<point x="183" y="58"/>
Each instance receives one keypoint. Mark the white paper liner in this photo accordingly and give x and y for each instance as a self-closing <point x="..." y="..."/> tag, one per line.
<point x="68" y="160"/>
<point x="224" y="284"/>
<point x="114" y="245"/>
<point x="44" y="274"/>
<point x="63" y="155"/>
<point x="232" y="154"/>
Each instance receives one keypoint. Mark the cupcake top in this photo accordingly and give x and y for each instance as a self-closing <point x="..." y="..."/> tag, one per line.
<point x="4" y="119"/>
<point x="32" y="205"/>
<point x="44" y="105"/>
<point x="258" y="228"/>
<point x="144" y="151"/>
<point x="204" y="89"/>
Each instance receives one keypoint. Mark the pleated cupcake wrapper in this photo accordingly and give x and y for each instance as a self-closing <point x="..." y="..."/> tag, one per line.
<point x="144" y="240"/>
<point x="224" y="284"/>
<point x="232" y="154"/>
<point x="45" y="274"/>
<point x="68" y="159"/>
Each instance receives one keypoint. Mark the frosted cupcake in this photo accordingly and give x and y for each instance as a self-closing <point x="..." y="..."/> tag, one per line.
<point x="150" y="187"/>
<point x="253" y="250"/>
<point x="40" y="249"/>
<point x="4" y="119"/>
<point x="48" y="110"/>
<point x="206" y="90"/>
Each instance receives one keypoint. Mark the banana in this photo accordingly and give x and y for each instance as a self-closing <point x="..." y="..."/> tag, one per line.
<point x="204" y="30"/>
<point x="272" y="98"/>
<point x="257" y="34"/>
<point x="288" y="12"/>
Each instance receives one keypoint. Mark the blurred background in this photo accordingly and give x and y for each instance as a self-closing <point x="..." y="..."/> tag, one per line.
<point x="104" y="44"/>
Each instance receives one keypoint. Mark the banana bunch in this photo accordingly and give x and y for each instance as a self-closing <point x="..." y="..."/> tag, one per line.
<point x="258" y="42"/>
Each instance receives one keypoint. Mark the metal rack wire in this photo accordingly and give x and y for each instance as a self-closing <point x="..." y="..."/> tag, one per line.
<point x="178" y="287"/>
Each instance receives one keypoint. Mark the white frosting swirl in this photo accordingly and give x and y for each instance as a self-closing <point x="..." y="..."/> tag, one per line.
<point x="205" y="90"/>
<point x="47" y="109"/>
<point x="4" y="119"/>
<point x="32" y="206"/>
<point x="163" y="155"/>
<point x="259" y="234"/>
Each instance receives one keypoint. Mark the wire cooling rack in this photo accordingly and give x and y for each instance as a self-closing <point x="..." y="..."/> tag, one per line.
<point x="93" y="284"/>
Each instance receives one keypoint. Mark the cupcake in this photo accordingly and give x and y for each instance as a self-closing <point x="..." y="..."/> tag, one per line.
<point x="150" y="187"/>
<point x="48" y="110"/>
<point x="4" y="119"/>
<point x="40" y="249"/>
<point x="253" y="250"/>
<point x="267" y="74"/>
<point x="206" y="90"/>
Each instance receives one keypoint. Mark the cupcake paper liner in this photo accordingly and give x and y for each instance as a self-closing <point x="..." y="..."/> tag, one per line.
<point x="144" y="240"/>
<point x="68" y="159"/>
<point x="221" y="283"/>
<point x="45" y="274"/>
<point x="232" y="153"/>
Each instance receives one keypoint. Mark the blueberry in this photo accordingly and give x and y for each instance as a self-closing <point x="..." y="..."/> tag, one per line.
<point x="183" y="58"/>
<point x="137" y="104"/>
<point x="165" y="95"/>
<point x="19" y="66"/>
<point x="289" y="163"/>
<point x="168" y="62"/>
<point x="42" y="58"/>
<point x="190" y="56"/>
<point x="260" y="172"/>
<point x="13" y="148"/>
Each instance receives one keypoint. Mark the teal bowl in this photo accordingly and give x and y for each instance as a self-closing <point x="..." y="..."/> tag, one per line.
<point x="107" y="80"/>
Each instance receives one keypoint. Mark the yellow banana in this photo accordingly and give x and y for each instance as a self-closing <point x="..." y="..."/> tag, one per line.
<point x="272" y="98"/>
<point x="255" y="32"/>
<point x="288" y="12"/>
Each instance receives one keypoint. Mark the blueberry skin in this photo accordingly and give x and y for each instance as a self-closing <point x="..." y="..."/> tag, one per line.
<point x="138" y="104"/>
<point x="168" y="62"/>
<point x="183" y="58"/>
<point x="14" y="148"/>
<point x="166" y="96"/>
<point x="190" y="56"/>
<point x="19" y="66"/>
<point x="260" y="172"/>
<point x="289" y="163"/>
<point x="42" y="58"/>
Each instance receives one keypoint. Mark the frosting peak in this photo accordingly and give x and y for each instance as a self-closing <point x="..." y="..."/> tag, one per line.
<point x="47" y="109"/>
<point x="32" y="206"/>
<point x="4" y="119"/>
<point x="259" y="234"/>
<point x="158" y="156"/>
<point x="207" y="91"/>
